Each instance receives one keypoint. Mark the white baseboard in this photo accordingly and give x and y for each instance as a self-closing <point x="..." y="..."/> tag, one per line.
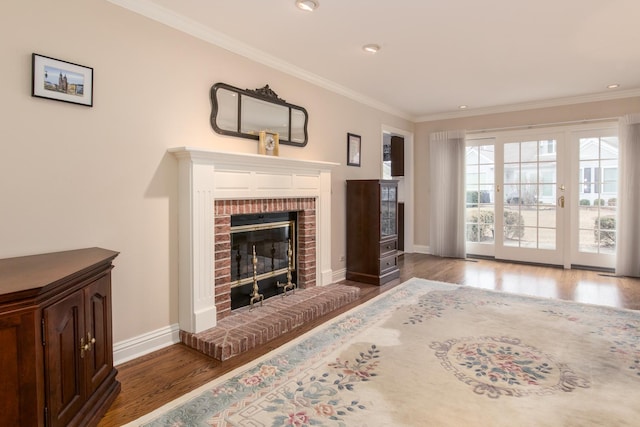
<point x="325" y="277"/>
<point x="421" y="249"/>
<point x="339" y="275"/>
<point x="135" y="347"/>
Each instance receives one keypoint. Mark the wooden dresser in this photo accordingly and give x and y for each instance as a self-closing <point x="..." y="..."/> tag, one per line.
<point x="372" y="231"/>
<point x="56" y="349"/>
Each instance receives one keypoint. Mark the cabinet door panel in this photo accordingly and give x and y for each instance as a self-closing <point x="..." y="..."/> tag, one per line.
<point x="397" y="156"/>
<point x="20" y="399"/>
<point x="63" y="358"/>
<point x="98" y="311"/>
<point x="10" y="372"/>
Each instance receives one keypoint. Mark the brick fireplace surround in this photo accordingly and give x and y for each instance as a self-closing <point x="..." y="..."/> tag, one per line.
<point x="224" y="209"/>
<point x="213" y="186"/>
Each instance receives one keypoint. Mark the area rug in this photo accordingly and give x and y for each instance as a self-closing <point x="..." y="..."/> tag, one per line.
<point x="436" y="354"/>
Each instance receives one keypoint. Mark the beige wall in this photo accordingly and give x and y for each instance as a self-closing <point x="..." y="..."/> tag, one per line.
<point x="586" y="111"/>
<point x="73" y="177"/>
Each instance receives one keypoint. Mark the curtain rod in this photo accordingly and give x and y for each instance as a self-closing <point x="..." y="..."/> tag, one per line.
<point x="571" y="122"/>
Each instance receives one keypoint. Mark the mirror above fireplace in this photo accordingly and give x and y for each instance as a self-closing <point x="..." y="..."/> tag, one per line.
<point x="245" y="112"/>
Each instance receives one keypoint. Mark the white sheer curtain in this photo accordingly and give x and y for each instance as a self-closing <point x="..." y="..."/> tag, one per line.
<point x="628" y="241"/>
<point x="447" y="201"/>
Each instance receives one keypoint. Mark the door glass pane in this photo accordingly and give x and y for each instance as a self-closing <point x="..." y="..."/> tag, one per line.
<point x="610" y="181"/>
<point x="485" y="174"/>
<point x="530" y="238"/>
<point x="511" y="173"/>
<point x="529" y="151"/>
<point x="513" y="228"/>
<point x="512" y="152"/>
<point x="547" y="238"/>
<point x="487" y="154"/>
<point x="589" y="148"/>
<point x="597" y="195"/>
<point x="547" y="222"/>
<point x="485" y="196"/>
<point x="528" y="172"/>
<point x="548" y="172"/>
<point x="547" y="193"/>
<point x="587" y="242"/>
<point x="480" y="225"/>
<point x="547" y="150"/>
<point x="530" y="194"/>
<point x="480" y="193"/>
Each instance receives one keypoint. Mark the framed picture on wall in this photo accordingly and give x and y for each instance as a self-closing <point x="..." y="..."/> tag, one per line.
<point x="353" y="149"/>
<point x="61" y="80"/>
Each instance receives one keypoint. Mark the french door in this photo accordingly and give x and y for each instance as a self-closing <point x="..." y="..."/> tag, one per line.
<point x="526" y="199"/>
<point x="596" y="194"/>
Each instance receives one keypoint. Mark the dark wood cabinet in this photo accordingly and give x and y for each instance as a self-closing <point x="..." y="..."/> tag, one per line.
<point x="55" y="337"/>
<point x="372" y="231"/>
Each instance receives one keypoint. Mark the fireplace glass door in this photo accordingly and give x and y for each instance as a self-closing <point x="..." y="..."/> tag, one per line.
<point x="263" y="249"/>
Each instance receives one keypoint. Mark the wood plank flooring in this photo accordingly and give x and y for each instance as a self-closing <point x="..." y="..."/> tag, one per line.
<point x="157" y="378"/>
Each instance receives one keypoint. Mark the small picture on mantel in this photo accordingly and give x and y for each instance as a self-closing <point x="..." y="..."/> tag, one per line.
<point x="353" y="149"/>
<point x="269" y="143"/>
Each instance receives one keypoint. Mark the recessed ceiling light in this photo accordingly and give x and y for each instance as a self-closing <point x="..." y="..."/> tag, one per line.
<point x="371" y="48"/>
<point x="613" y="86"/>
<point x="307" y="5"/>
<point x="462" y="107"/>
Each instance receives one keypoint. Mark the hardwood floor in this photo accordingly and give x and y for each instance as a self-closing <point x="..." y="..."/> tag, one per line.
<point x="157" y="378"/>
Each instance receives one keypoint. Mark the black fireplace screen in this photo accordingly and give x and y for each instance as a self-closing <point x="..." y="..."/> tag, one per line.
<point x="271" y="236"/>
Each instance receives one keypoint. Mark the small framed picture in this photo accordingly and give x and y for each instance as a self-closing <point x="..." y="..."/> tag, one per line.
<point x="269" y="143"/>
<point x="61" y="81"/>
<point x="353" y="149"/>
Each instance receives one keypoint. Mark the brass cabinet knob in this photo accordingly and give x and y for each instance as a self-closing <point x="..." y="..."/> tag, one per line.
<point x="83" y="347"/>
<point x="90" y="341"/>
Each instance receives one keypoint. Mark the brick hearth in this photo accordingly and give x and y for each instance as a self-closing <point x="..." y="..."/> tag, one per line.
<point x="246" y="328"/>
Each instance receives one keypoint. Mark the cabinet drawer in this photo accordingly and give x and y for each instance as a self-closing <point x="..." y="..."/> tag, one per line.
<point x="388" y="263"/>
<point x="388" y="247"/>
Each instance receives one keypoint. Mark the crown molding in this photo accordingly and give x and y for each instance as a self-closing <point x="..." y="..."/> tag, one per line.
<point x="603" y="96"/>
<point x="167" y="17"/>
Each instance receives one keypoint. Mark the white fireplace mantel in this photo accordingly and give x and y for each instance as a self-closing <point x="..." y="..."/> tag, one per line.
<point x="205" y="176"/>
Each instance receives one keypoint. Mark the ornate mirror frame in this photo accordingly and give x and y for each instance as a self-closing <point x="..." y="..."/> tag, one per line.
<point x="246" y="112"/>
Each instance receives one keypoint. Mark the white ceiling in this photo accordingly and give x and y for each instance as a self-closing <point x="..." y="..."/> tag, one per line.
<point x="492" y="55"/>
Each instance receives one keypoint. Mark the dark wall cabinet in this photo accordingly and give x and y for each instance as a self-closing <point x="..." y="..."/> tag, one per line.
<point x="55" y="338"/>
<point x="397" y="156"/>
<point x="372" y="231"/>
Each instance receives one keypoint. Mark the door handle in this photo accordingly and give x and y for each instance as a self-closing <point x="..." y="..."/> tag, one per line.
<point x="561" y="201"/>
<point x="83" y="347"/>
<point x="90" y="341"/>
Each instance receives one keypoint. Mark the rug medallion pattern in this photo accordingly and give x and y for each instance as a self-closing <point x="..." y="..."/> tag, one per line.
<point x="428" y="353"/>
<point x="502" y="366"/>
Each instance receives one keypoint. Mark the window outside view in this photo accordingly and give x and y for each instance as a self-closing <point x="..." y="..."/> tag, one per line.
<point x="480" y="193"/>
<point x="598" y="194"/>
<point x="530" y="182"/>
<point x="531" y="190"/>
